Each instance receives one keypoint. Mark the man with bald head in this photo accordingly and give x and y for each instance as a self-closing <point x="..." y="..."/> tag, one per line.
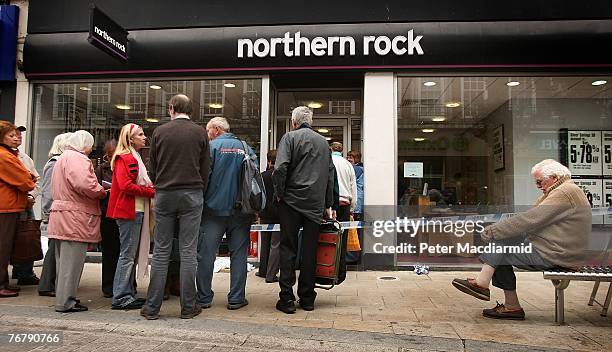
<point x="179" y="168"/>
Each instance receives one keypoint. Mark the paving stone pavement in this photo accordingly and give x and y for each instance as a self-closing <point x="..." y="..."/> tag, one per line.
<point x="363" y="314"/>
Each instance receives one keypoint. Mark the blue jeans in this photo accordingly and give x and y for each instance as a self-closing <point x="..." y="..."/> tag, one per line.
<point x="129" y="236"/>
<point x="186" y="205"/>
<point x="237" y="229"/>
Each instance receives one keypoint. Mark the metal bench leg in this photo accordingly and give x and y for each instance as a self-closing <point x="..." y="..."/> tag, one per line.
<point x="560" y="285"/>
<point x="606" y="305"/>
<point x="594" y="293"/>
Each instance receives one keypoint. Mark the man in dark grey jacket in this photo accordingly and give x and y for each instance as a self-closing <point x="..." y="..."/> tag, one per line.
<point x="303" y="186"/>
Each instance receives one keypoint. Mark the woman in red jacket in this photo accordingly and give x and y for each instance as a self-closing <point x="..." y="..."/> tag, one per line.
<point x="128" y="204"/>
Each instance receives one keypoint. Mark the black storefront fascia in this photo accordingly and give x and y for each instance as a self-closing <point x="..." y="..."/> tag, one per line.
<point x="565" y="46"/>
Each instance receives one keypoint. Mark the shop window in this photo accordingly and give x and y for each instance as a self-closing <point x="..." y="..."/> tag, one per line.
<point x="137" y="97"/>
<point x="476" y="139"/>
<point x="212" y="98"/>
<point x="102" y="108"/>
<point x="64" y="102"/>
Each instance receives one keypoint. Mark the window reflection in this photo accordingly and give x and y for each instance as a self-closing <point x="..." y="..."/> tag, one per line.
<point x="103" y="108"/>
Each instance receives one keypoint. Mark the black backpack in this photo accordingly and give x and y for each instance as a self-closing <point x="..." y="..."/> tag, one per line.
<point x="251" y="190"/>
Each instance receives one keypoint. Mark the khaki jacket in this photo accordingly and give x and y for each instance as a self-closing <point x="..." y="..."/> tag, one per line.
<point x="558" y="225"/>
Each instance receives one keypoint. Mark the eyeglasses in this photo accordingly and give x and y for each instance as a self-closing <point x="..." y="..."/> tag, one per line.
<point x="539" y="182"/>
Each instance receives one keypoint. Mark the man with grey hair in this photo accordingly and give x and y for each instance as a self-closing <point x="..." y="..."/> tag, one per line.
<point x="557" y="229"/>
<point x="223" y="216"/>
<point x="179" y="167"/>
<point x="303" y="186"/>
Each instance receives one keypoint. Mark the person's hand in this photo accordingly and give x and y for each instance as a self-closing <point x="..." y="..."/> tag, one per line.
<point x="327" y="213"/>
<point x="487" y="234"/>
<point x="31" y="201"/>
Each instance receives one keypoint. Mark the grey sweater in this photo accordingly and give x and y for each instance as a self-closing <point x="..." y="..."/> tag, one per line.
<point x="179" y="156"/>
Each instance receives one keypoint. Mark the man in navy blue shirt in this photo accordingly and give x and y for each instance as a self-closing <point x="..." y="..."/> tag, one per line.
<point x="221" y="216"/>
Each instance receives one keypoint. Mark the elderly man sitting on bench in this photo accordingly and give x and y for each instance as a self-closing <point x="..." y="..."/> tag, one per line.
<point x="557" y="227"/>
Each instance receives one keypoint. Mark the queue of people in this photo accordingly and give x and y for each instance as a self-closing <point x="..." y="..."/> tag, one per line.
<point x="191" y="188"/>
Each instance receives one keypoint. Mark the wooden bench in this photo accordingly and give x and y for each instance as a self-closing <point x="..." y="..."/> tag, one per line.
<point x="561" y="280"/>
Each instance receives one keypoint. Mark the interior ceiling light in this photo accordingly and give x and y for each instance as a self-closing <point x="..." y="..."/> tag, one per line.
<point x="215" y="105"/>
<point x="427" y="130"/>
<point x="123" y="107"/>
<point x="438" y="119"/>
<point x="84" y="88"/>
<point x="452" y="104"/>
<point x="323" y="130"/>
<point x="315" y="105"/>
<point x="429" y="83"/>
<point x="154" y="86"/>
<point x="600" y="82"/>
<point x="419" y="139"/>
<point x="513" y="83"/>
<point x="151" y="119"/>
<point x="229" y="85"/>
<point x="328" y="138"/>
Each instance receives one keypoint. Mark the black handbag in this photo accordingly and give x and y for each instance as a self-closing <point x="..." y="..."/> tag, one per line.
<point x="26" y="246"/>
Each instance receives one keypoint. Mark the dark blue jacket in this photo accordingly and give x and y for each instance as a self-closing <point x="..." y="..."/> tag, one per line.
<point x="226" y="154"/>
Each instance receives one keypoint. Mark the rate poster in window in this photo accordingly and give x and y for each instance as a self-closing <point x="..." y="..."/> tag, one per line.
<point x="607" y="194"/>
<point x="606" y="145"/>
<point x="593" y="190"/>
<point x="584" y="152"/>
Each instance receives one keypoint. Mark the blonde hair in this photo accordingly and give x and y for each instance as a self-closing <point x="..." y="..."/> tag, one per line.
<point x="59" y="143"/>
<point x="124" y="143"/>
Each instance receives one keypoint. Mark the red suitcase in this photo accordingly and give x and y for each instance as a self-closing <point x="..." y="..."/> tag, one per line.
<point x="329" y="252"/>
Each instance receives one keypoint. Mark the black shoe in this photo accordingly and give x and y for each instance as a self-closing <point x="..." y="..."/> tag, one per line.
<point x="132" y="305"/>
<point x="46" y="293"/>
<point x="274" y="279"/>
<point x="234" y="306"/>
<point x="77" y="308"/>
<point x="108" y="295"/>
<point x="166" y="296"/>
<point x="139" y="299"/>
<point x="29" y="281"/>
<point x="256" y="274"/>
<point x="287" y="307"/>
<point x="306" y="306"/>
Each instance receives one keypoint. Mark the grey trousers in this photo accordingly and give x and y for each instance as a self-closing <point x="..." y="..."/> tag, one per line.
<point x="69" y="261"/>
<point x="47" y="276"/>
<point x="186" y="205"/>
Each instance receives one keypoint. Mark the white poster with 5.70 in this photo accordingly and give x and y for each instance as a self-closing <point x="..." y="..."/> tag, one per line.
<point x="607" y="193"/>
<point x="592" y="189"/>
<point x="606" y="139"/>
<point x="584" y="152"/>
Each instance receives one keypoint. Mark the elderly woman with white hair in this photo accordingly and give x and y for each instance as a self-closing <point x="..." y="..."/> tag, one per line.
<point x="75" y="217"/>
<point x="46" y="286"/>
<point x="557" y="227"/>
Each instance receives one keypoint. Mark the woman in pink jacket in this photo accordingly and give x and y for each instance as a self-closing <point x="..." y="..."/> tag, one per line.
<point x="75" y="217"/>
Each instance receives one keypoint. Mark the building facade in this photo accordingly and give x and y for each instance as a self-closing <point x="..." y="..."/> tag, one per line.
<point x="459" y="99"/>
